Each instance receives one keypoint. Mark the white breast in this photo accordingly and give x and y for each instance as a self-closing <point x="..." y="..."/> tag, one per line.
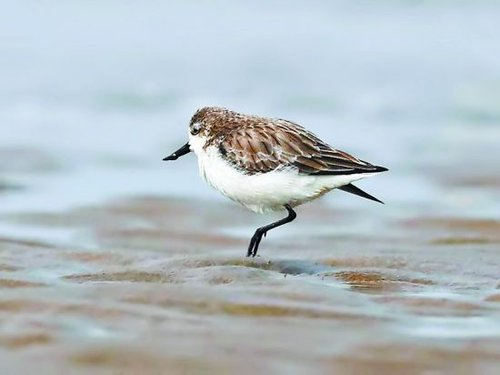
<point x="266" y="191"/>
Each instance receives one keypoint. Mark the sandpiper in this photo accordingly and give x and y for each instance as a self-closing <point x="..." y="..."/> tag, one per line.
<point x="268" y="164"/>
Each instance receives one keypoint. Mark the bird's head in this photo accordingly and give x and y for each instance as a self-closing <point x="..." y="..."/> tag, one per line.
<point x="205" y="125"/>
<point x="208" y="123"/>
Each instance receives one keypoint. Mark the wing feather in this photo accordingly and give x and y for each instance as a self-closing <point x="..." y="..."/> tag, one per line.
<point x="264" y="146"/>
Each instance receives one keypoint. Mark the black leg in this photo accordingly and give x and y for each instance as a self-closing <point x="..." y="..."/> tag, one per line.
<point x="262" y="231"/>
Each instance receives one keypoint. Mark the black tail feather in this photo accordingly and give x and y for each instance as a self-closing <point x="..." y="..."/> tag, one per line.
<point x="350" y="188"/>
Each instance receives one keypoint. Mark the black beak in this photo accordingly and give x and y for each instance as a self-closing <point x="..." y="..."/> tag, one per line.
<point x="177" y="154"/>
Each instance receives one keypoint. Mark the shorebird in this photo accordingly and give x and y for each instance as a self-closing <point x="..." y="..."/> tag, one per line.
<point x="268" y="164"/>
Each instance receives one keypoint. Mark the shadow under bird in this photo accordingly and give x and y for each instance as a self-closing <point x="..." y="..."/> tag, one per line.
<point x="268" y="164"/>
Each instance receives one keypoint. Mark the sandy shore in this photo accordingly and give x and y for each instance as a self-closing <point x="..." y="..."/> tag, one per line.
<point x="163" y="285"/>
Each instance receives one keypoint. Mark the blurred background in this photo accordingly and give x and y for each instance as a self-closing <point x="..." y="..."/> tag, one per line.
<point x="94" y="94"/>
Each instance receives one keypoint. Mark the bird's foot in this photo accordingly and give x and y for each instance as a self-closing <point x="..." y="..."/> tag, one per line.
<point x="253" y="247"/>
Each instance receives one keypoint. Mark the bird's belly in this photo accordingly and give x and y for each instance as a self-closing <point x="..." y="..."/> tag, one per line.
<point x="259" y="192"/>
<point x="265" y="191"/>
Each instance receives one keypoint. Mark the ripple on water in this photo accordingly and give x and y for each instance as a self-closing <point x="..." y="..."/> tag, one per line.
<point x="125" y="276"/>
<point x="134" y="286"/>
<point x="11" y="283"/>
<point x="381" y="282"/>
<point x="25" y="340"/>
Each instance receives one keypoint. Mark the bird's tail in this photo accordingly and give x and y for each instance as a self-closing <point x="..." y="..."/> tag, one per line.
<point x="350" y="188"/>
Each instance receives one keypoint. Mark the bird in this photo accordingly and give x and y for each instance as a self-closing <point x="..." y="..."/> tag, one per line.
<point x="269" y="164"/>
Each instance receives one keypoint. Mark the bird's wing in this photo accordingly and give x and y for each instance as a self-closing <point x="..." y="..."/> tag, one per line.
<point x="262" y="147"/>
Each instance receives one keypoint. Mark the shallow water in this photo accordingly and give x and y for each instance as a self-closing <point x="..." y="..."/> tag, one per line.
<point x="148" y="290"/>
<point x="114" y="262"/>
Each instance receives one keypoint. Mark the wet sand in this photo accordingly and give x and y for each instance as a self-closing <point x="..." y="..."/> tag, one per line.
<point x="162" y="286"/>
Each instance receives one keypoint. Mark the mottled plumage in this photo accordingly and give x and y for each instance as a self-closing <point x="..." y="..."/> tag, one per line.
<point x="269" y="164"/>
<point x="260" y="145"/>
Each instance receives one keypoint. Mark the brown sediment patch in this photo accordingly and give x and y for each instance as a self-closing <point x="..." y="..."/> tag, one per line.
<point x="363" y="280"/>
<point x="221" y="274"/>
<point x="93" y="257"/>
<point x="137" y="361"/>
<point x="114" y="357"/>
<point x="361" y="277"/>
<point x="465" y="241"/>
<point x="220" y="280"/>
<point x="9" y="283"/>
<point x="368" y="262"/>
<point x="21" y="305"/>
<point x="457" y="231"/>
<point x="243" y="262"/>
<point x="22" y="341"/>
<point x="127" y="276"/>
<point x="493" y="298"/>
<point x="283" y="266"/>
<point x="263" y="265"/>
<point x="471" y="358"/>
<point x="240" y="309"/>
<point x="88" y="310"/>
<point x="460" y="224"/>
<point x="434" y="306"/>
<point x="378" y="281"/>
<point x="94" y="311"/>
<point x="243" y="309"/>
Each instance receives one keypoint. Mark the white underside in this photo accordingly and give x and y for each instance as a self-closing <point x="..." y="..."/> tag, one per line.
<point x="267" y="191"/>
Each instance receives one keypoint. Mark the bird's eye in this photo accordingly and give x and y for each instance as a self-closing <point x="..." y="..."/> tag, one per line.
<point x="195" y="129"/>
